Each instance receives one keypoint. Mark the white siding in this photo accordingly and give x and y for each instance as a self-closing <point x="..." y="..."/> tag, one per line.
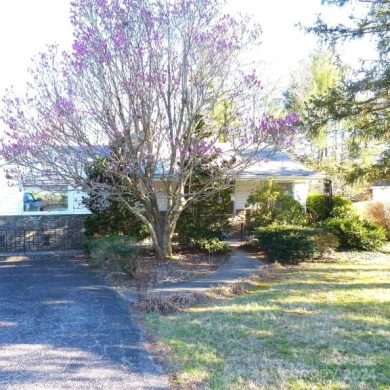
<point x="11" y="200"/>
<point x="381" y="193"/>
<point x="76" y="205"/>
<point x="161" y="196"/>
<point x="162" y="201"/>
<point x="301" y="191"/>
<point x="242" y="190"/>
<point x="245" y="187"/>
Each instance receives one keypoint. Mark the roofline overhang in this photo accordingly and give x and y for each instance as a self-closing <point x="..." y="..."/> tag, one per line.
<point x="283" y="177"/>
<point x="316" y="176"/>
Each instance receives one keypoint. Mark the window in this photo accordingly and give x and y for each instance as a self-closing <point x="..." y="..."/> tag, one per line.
<point x="287" y="188"/>
<point x="54" y="199"/>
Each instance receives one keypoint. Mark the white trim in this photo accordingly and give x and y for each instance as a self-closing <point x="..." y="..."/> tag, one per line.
<point x="16" y="196"/>
<point x="282" y="178"/>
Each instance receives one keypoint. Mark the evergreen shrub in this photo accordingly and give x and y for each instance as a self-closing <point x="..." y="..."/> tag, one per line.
<point x="356" y="233"/>
<point x="203" y="222"/>
<point x="316" y="211"/>
<point x="294" y="244"/>
<point x="269" y="205"/>
<point x="214" y="245"/>
<point x="117" y="253"/>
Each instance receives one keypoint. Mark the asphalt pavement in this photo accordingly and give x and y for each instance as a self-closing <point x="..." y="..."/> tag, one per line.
<point x="63" y="328"/>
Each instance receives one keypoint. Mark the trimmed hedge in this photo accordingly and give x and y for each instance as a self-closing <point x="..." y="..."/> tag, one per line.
<point x="294" y="244"/>
<point x="117" y="253"/>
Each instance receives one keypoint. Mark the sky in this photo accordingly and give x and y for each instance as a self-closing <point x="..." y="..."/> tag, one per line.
<point x="26" y="26"/>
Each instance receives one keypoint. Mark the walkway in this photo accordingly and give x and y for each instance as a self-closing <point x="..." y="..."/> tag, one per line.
<point x="240" y="266"/>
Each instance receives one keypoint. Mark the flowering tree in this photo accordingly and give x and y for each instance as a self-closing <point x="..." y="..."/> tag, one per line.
<point x="155" y="88"/>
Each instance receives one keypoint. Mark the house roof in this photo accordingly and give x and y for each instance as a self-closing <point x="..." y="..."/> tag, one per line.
<point x="381" y="183"/>
<point x="269" y="164"/>
<point x="279" y="164"/>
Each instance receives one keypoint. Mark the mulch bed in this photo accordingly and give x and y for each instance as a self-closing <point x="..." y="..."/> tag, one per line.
<point x="184" y="266"/>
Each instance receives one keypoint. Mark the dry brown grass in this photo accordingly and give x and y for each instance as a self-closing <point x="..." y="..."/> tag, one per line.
<point x="376" y="212"/>
<point x="151" y="272"/>
<point x="166" y="305"/>
<point x="267" y="273"/>
<point x="172" y="303"/>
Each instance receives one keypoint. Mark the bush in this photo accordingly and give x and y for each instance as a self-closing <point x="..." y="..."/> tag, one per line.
<point x="376" y="212"/>
<point x="204" y="220"/>
<point x="214" y="245"/>
<point x="110" y="222"/>
<point x="269" y="205"/>
<point x="192" y="234"/>
<point x="294" y="244"/>
<point x="110" y="217"/>
<point x="326" y="242"/>
<point x="118" y="253"/>
<point x="316" y="210"/>
<point x="355" y="232"/>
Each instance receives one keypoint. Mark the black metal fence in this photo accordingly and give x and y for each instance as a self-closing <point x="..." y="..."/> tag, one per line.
<point x="40" y="240"/>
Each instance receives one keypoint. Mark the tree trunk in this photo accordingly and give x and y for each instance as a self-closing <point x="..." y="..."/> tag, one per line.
<point x="160" y="230"/>
<point x="161" y="234"/>
<point x="163" y="245"/>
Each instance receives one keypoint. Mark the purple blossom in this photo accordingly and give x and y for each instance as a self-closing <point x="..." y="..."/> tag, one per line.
<point x="142" y="76"/>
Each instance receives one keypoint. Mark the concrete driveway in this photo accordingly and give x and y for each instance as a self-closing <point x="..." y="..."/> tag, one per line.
<point x="62" y="328"/>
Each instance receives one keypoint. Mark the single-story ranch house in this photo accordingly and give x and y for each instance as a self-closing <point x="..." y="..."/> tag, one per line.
<point x="32" y="209"/>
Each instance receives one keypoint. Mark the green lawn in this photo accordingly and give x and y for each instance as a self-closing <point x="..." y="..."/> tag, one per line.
<point x="317" y="326"/>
